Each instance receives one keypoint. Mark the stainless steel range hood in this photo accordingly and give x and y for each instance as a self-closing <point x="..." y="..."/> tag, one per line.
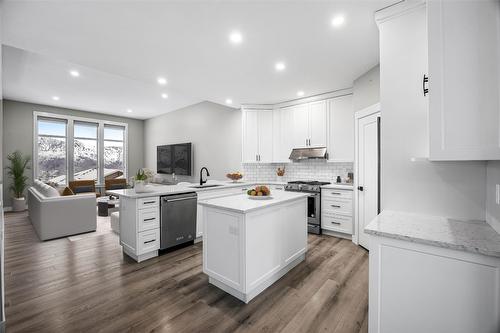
<point x="298" y="154"/>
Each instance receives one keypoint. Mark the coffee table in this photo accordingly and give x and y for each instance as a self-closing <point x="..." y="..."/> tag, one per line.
<point x="103" y="204"/>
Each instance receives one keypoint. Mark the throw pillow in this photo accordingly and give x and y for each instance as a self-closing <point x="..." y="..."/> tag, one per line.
<point x="67" y="191"/>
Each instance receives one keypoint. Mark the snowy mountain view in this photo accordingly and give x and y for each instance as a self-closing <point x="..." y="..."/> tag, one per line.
<point x="52" y="159"/>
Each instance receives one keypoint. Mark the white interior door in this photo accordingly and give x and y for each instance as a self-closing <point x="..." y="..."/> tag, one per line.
<point x="367" y="166"/>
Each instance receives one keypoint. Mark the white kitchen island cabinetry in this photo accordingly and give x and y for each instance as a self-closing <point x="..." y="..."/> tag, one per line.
<point x="433" y="274"/>
<point x="249" y="244"/>
<point x="140" y="227"/>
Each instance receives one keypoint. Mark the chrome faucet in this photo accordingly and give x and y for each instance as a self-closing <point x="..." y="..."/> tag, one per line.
<point x="201" y="175"/>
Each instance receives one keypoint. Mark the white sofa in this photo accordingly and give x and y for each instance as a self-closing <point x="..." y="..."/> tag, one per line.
<point x="55" y="216"/>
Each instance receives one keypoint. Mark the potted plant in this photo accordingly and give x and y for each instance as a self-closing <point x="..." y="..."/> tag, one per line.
<point x="139" y="181"/>
<point x="18" y="165"/>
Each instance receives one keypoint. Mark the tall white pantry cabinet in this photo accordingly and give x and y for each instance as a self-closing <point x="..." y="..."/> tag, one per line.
<point x="418" y="287"/>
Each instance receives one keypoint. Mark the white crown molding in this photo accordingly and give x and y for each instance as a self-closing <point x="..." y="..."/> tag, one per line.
<point x="400" y="8"/>
<point x="314" y="98"/>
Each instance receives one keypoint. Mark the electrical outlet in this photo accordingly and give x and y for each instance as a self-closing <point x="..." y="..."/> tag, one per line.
<point x="497" y="194"/>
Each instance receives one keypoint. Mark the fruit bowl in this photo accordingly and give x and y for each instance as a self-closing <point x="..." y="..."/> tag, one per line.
<point x="235" y="176"/>
<point x="259" y="193"/>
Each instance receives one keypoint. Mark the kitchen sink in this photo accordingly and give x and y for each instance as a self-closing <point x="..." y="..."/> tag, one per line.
<point x="205" y="186"/>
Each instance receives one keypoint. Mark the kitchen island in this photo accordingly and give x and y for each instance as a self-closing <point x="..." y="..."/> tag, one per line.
<point x="139" y="216"/>
<point x="249" y="244"/>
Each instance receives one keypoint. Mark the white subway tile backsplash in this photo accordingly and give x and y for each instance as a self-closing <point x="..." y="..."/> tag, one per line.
<point x="304" y="170"/>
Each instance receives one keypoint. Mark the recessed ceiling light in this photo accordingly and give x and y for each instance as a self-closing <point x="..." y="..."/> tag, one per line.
<point x="229" y="101"/>
<point x="300" y="93"/>
<point x="165" y="96"/>
<point x="235" y="37"/>
<point x="162" y="81"/>
<point x="74" y="73"/>
<point x="337" y="21"/>
<point x="280" y="66"/>
<point x="55" y="98"/>
<point x="129" y="110"/>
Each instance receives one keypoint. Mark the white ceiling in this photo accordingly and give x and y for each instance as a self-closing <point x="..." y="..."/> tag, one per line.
<point x="120" y="48"/>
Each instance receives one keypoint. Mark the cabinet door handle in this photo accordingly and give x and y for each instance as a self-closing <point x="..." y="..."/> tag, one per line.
<point x="335" y="206"/>
<point x="150" y="219"/>
<point x="361" y="188"/>
<point x="149" y="241"/>
<point x="148" y="202"/>
<point x="337" y="223"/>
<point x="425" y="80"/>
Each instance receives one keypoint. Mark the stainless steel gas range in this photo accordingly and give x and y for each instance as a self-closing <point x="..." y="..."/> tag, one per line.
<point x="313" y="202"/>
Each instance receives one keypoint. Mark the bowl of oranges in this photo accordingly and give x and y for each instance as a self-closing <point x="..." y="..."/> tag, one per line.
<point x="260" y="192"/>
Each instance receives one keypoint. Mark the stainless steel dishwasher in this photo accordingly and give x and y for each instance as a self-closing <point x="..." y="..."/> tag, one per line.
<point x="178" y="219"/>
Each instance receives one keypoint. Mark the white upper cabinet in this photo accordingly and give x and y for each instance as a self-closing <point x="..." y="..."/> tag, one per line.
<point x="300" y="127"/>
<point x="304" y="125"/>
<point x="341" y="129"/>
<point x="318" y="125"/>
<point x="464" y="75"/>
<point x="257" y="136"/>
<point x="250" y="136"/>
<point x="265" y="131"/>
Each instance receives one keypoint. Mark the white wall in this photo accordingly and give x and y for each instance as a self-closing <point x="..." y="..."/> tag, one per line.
<point x="492" y="209"/>
<point x="366" y="89"/>
<point x="214" y="130"/>
<point x="455" y="189"/>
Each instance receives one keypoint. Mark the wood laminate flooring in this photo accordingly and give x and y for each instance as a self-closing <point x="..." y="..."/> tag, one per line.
<point x="88" y="285"/>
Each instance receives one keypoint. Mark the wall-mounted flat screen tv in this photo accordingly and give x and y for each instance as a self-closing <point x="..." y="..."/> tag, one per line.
<point x="175" y="158"/>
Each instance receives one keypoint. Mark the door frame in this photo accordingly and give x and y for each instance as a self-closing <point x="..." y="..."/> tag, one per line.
<point x="371" y="110"/>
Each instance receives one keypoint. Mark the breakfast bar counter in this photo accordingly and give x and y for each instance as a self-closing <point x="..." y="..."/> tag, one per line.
<point x="249" y="243"/>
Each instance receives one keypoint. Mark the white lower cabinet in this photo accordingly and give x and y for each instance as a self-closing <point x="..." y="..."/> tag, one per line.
<point x="140" y="227"/>
<point x="337" y="210"/>
<point x="416" y="288"/>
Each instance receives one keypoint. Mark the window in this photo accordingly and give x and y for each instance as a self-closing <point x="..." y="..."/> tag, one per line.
<point x="51" y="142"/>
<point x="85" y="152"/>
<point x="114" y="161"/>
<point x="73" y="148"/>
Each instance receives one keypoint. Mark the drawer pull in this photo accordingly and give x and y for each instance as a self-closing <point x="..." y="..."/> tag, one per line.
<point x="150" y="219"/>
<point x="148" y="202"/>
<point x="150" y="241"/>
<point x="336" y="206"/>
<point x="337" y="223"/>
<point x="336" y="193"/>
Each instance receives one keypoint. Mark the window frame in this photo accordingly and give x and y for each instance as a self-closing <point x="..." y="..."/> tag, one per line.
<point x="70" y="142"/>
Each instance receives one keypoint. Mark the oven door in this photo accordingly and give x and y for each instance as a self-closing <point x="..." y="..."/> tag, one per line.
<point x="313" y="212"/>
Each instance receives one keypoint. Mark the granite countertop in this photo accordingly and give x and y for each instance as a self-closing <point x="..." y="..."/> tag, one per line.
<point x="157" y="190"/>
<point x="242" y="204"/>
<point x="463" y="235"/>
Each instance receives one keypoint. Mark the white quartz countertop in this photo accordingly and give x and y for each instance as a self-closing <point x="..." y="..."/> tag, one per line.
<point x="464" y="235"/>
<point x="157" y="189"/>
<point x="341" y="186"/>
<point x="240" y="203"/>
